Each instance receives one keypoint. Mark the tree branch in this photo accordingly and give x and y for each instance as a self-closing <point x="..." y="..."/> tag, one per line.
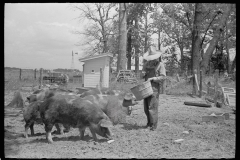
<point x="207" y="29"/>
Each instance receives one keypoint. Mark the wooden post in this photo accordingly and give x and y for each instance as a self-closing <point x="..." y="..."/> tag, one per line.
<point x="101" y="77"/>
<point x="20" y="74"/>
<point x="164" y="86"/>
<point x="35" y="74"/>
<point x="40" y="86"/>
<point x="178" y="79"/>
<point x="200" y="86"/>
<point x="196" y="81"/>
<point x="83" y="76"/>
<point x="216" y="86"/>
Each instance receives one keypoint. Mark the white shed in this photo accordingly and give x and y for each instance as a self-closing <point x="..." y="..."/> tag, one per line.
<point x="91" y="70"/>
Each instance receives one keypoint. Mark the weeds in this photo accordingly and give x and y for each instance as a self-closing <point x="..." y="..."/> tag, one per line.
<point x="12" y="83"/>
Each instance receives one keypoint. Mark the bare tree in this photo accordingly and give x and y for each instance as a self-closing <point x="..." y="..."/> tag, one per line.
<point x="121" y="64"/>
<point x="100" y="25"/>
<point x="196" y="40"/>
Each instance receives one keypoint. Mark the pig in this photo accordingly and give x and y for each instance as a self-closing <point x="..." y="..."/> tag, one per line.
<point x="95" y="91"/>
<point x="32" y="116"/>
<point x="31" y="112"/>
<point x="77" y="113"/>
<point x="39" y="95"/>
<point x="42" y="94"/>
<point x="115" y="107"/>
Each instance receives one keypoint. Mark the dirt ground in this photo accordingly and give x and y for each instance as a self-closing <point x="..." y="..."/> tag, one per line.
<point x="132" y="140"/>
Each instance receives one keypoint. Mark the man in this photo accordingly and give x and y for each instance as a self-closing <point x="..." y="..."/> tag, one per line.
<point x="155" y="72"/>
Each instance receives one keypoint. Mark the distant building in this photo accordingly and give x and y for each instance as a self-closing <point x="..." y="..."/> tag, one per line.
<point x="91" y="70"/>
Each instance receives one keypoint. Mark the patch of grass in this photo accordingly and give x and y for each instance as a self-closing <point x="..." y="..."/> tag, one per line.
<point x="182" y="88"/>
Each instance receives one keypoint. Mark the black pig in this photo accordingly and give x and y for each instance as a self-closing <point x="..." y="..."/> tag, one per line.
<point x="78" y="113"/>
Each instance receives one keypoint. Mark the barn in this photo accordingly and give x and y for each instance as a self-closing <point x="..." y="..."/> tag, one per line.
<point x="92" y="67"/>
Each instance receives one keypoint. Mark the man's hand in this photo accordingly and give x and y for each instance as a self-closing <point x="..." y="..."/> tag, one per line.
<point x="152" y="79"/>
<point x="157" y="79"/>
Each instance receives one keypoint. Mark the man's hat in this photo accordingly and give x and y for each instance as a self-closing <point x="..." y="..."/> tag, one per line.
<point x="153" y="54"/>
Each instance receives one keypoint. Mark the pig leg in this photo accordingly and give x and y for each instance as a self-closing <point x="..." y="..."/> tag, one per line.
<point x="59" y="127"/>
<point x="93" y="134"/>
<point x="66" y="128"/>
<point x="27" y="125"/>
<point x="32" y="129"/>
<point x="48" y="129"/>
<point x="81" y="131"/>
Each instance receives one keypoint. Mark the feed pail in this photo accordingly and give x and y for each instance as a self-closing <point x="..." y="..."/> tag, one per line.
<point x="143" y="90"/>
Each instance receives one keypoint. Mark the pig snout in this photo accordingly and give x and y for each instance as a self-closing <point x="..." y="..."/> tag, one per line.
<point x="31" y="98"/>
<point x="105" y="130"/>
<point x="134" y="102"/>
<point x="102" y="129"/>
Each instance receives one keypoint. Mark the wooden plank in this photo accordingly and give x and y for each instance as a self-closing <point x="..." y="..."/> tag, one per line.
<point x="200" y="85"/>
<point x="213" y="118"/>
<point x="197" y="104"/>
<point x="231" y="98"/>
<point x="225" y="91"/>
<point x="196" y="80"/>
<point x="41" y="78"/>
<point x="178" y="79"/>
<point x="228" y="90"/>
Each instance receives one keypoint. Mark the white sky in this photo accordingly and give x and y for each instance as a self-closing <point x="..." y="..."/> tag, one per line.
<point x="38" y="35"/>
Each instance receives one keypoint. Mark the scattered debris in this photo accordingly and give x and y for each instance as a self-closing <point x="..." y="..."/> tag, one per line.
<point x="166" y="124"/>
<point x="178" y="140"/>
<point x="110" y="141"/>
<point x="185" y="132"/>
<point x="216" y="117"/>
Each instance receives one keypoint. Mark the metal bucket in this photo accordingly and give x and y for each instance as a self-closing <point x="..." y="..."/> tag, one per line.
<point x="142" y="91"/>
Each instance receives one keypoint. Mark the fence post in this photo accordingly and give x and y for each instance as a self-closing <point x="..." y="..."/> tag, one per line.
<point x="101" y="77"/>
<point x="35" y="74"/>
<point x="216" y="86"/>
<point x="40" y="86"/>
<point x="178" y="79"/>
<point x="163" y="86"/>
<point x="200" y="85"/>
<point x="196" y="86"/>
<point x="20" y="74"/>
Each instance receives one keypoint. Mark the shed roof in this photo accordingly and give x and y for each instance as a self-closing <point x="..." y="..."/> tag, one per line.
<point x="95" y="56"/>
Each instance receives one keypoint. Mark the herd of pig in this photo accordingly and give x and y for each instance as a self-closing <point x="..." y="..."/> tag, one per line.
<point x="96" y="109"/>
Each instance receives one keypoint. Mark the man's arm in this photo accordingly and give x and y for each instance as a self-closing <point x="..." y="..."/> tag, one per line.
<point x="157" y="79"/>
<point x="162" y="72"/>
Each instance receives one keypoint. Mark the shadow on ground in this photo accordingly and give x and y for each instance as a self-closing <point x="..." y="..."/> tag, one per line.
<point x="11" y="144"/>
<point x="86" y="138"/>
<point x="127" y="126"/>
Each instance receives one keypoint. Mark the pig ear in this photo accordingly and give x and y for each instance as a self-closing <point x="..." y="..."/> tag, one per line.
<point x="105" y="123"/>
<point x="128" y="96"/>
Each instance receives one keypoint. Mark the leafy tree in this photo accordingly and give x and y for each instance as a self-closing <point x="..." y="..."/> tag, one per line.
<point x="170" y="21"/>
<point x="217" y="31"/>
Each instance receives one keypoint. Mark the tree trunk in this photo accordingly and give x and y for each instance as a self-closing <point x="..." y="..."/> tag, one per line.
<point x="146" y="36"/>
<point x="121" y="64"/>
<point x="129" y="47"/>
<point x="227" y="50"/>
<point x="196" y="41"/>
<point x="182" y="63"/>
<point x="215" y="38"/>
<point x="159" y="38"/>
<point x="105" y="48"/>
<point x="136" y="48"/>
